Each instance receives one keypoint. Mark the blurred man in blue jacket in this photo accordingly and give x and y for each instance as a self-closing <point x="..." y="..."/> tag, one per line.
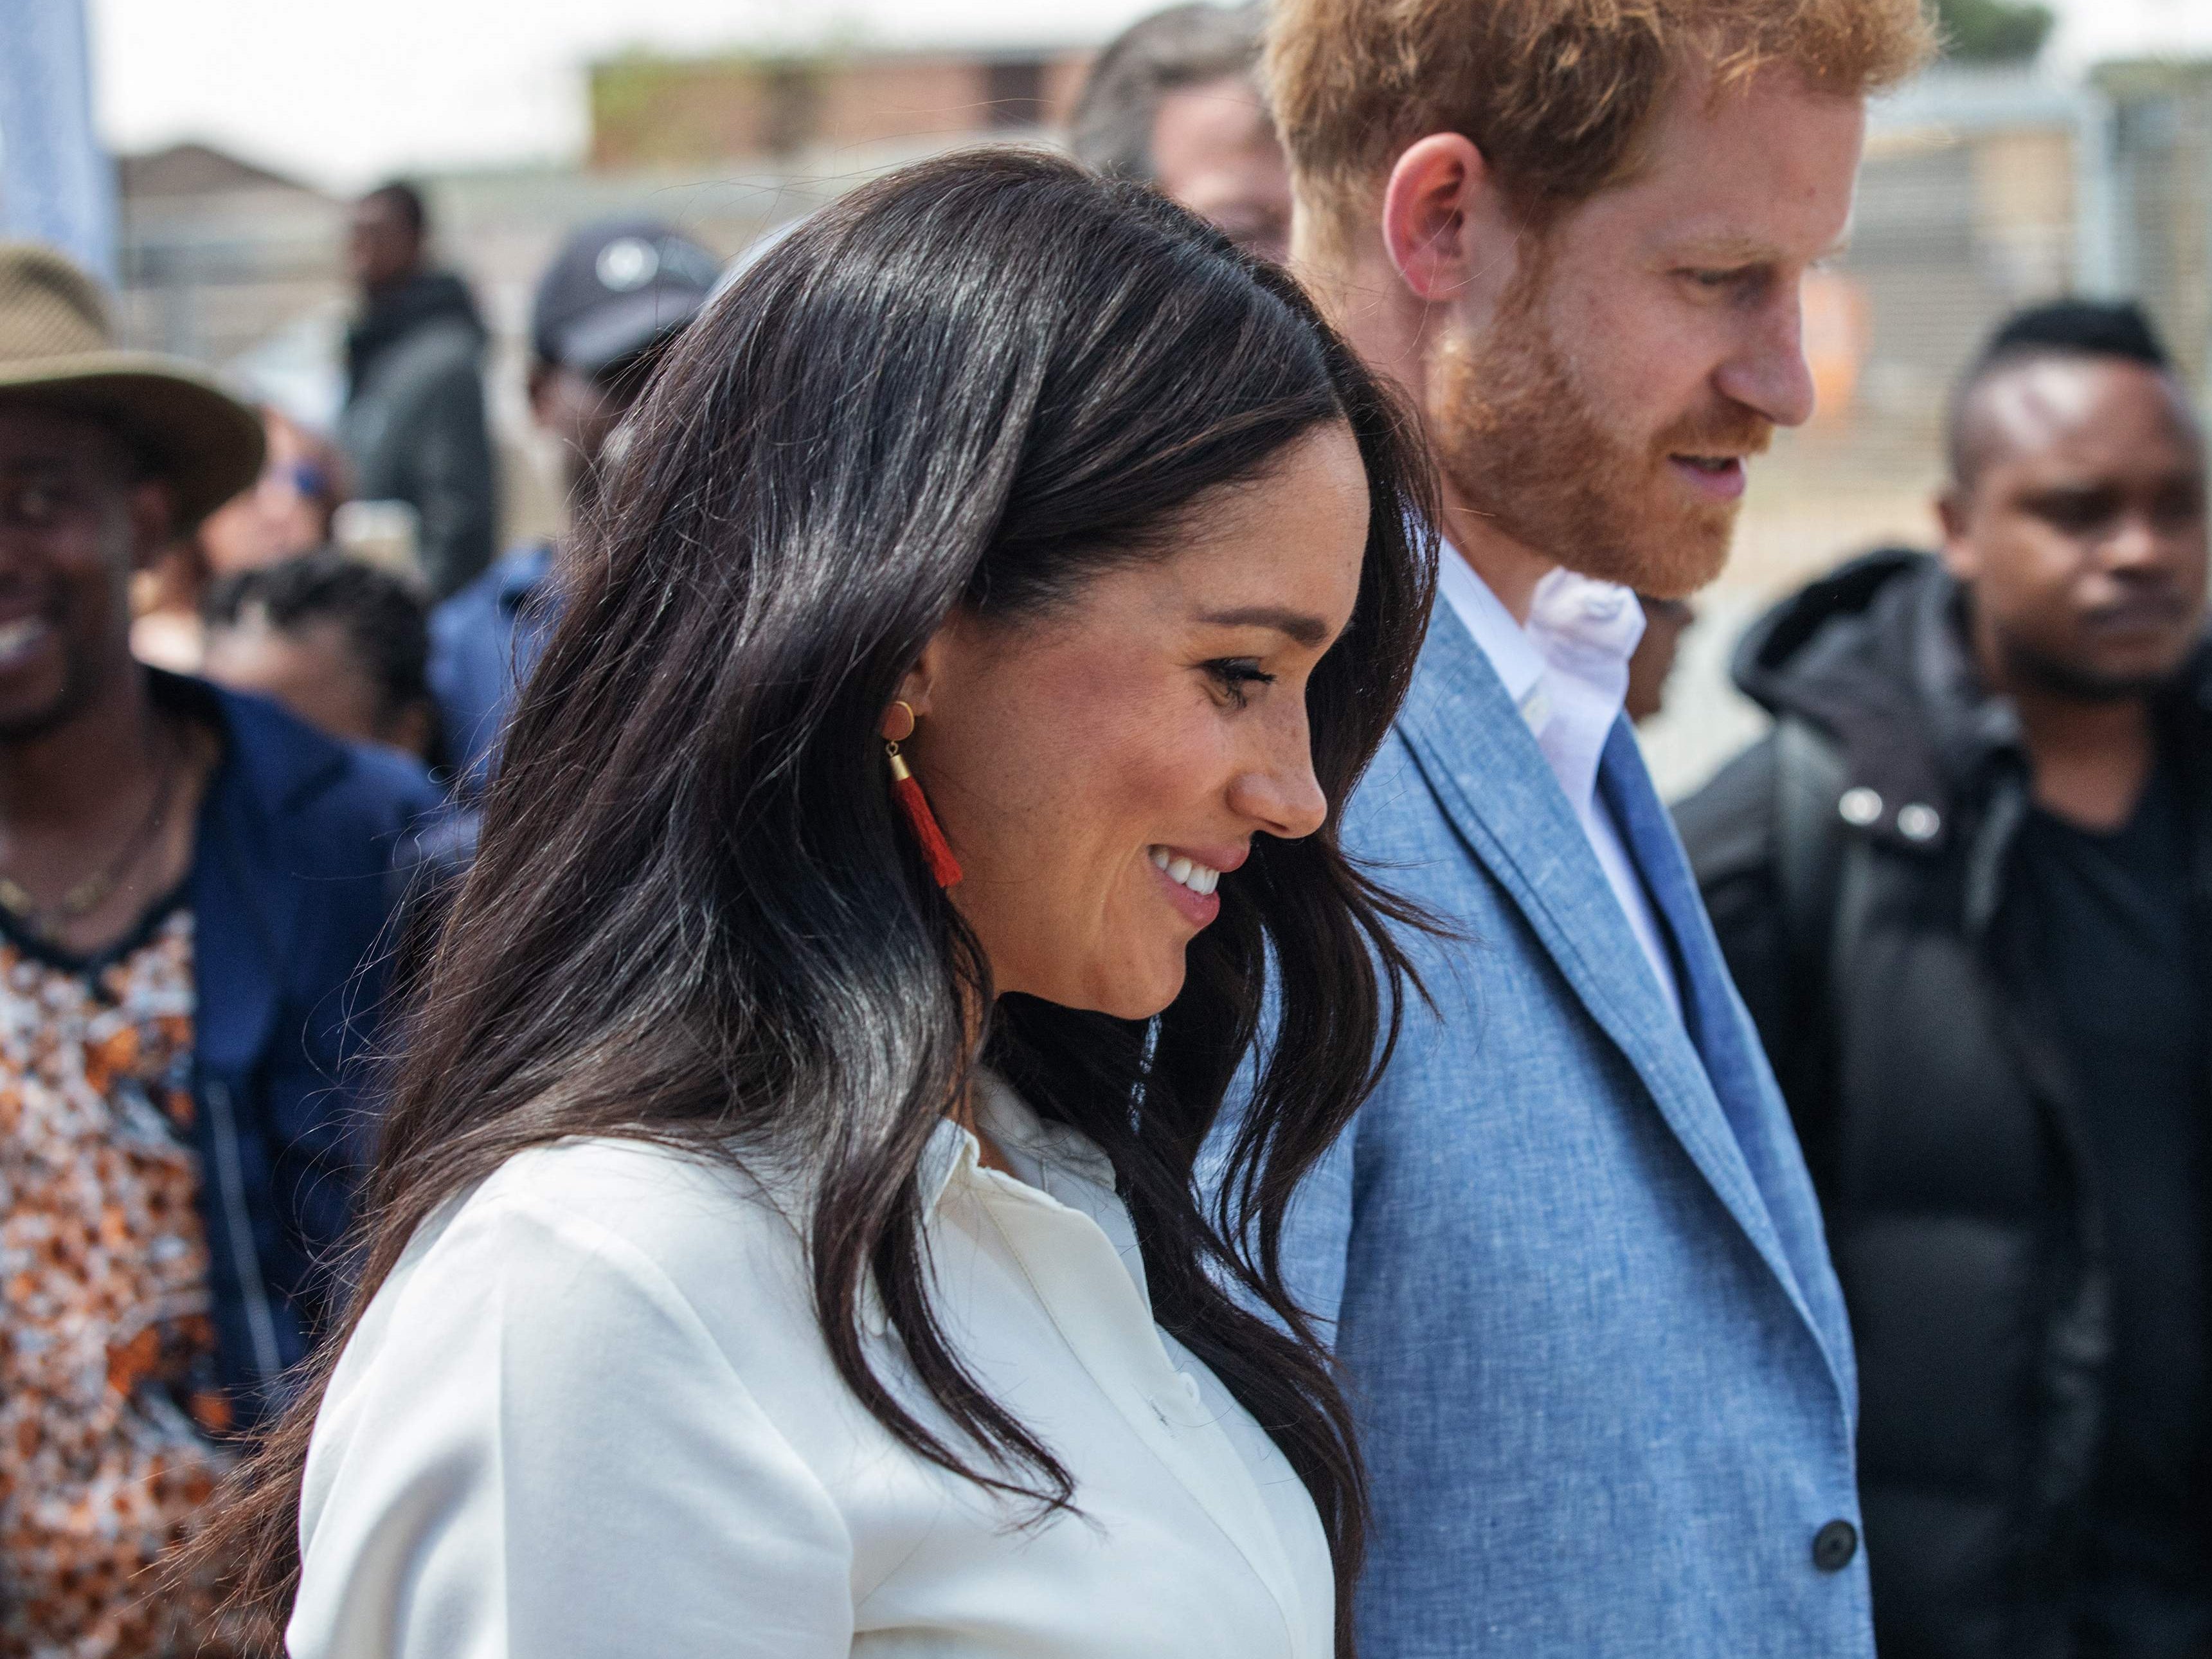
<point x="192" y="888"/>
<point x="1574" y="1265"/>
<point x="612" y="299"/>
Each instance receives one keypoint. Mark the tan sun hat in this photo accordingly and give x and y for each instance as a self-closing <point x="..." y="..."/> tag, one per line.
<point x="57" y="349"/>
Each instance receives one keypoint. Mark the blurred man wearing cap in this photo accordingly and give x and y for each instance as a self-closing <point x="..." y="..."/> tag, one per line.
<point x="613" y="297"/>
<point x="190" y="882"/>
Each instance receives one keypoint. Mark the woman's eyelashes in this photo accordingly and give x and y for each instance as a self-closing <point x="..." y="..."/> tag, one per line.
<point x="1236" y="675"/>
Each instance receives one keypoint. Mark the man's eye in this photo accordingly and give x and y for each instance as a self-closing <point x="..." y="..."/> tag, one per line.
<point x="2077" y="511"/>
<point x="32" y="503"/>
<point x="2177" y="509"/>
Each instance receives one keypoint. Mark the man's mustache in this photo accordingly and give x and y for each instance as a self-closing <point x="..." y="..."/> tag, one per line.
<point x="1732" y="431"/>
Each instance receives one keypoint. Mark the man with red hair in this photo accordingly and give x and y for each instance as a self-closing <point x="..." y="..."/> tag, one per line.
<point x="1574" y="1267"/>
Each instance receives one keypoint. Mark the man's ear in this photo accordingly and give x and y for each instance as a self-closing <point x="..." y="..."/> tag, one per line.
<point x="1444" y="221"/>
<point x="410" y="729"/>
<point x="539" y="386"/>
<point x="1955" y="513"/>
<point x="152" y="504"/>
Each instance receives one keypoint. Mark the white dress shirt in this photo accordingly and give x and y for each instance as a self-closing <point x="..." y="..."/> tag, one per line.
<point x="591" y="1413"/>
<point x="1567" y="671"/>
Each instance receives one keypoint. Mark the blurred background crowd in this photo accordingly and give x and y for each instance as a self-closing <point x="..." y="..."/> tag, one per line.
<point x="2049" y="152"/>
<point x="439" y="342"/>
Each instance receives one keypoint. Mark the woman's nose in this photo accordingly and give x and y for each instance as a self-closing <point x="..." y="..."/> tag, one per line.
<point x="1280" y="793"/>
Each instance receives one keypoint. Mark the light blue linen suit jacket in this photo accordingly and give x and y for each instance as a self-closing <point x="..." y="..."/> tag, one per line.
<point x="1574" y="1265"/>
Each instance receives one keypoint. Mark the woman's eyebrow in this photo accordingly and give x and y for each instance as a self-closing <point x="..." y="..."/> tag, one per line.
<point x="1302" y="626"/>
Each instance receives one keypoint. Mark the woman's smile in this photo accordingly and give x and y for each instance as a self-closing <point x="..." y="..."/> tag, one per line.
<point x="1189" y="878"/>
<point x="1098" y="768"/>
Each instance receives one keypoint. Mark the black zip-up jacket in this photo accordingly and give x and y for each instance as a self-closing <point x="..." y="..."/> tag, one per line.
<point x="1858" y="865"/>
<point x="414" y="423"/>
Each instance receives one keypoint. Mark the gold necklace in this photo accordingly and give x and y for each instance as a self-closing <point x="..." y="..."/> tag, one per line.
<point x="95" y="889"/>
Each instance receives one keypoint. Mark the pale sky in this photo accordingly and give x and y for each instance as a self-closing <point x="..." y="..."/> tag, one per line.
<point x="337" y="92"/>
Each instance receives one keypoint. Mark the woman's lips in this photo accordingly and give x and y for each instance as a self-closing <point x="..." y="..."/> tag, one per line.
<point x="1189" y="882"/>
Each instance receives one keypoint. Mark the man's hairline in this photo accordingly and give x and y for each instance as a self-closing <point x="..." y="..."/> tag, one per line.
<point x="1961" y="483"/>
<point x="1320" y="201"/>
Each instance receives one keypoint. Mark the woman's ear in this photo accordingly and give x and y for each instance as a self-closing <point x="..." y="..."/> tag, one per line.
<point x="917" y="687"/>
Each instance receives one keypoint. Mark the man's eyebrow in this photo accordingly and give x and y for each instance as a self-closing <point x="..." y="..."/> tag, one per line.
<point x="1302" y="626"/>
<point x="1726" y="250"/>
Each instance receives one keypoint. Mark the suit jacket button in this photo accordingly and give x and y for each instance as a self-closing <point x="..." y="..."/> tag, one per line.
<point x="1834" y="1546"/>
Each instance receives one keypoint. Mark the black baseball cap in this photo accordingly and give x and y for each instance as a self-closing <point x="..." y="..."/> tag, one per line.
<point x="616" y="288"/>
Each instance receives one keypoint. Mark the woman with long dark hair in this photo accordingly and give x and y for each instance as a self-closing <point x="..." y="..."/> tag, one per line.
<point x="785" y="1238"/>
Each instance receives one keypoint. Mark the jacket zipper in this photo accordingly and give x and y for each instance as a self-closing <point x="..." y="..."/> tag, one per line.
<point x="246" y="1260"/>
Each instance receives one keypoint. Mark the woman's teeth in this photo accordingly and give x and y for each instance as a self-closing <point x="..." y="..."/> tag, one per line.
<point x="1201" y="879"/>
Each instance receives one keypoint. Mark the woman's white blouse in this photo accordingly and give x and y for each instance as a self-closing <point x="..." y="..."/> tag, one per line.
<point x="591" y="1414"/>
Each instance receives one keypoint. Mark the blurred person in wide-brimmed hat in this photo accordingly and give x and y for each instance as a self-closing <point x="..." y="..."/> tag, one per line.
<point x="189" y="880"/>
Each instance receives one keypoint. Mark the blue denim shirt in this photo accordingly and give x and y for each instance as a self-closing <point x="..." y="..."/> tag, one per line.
<point x="485" y="641"/>
<point x="292" y="892"/>
<point x="1573" y="1262"/>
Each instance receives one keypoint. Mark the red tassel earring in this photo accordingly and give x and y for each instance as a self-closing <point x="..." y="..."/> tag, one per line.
<point x="936" y="851"/>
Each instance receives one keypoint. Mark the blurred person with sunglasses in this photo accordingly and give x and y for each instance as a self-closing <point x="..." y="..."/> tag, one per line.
<point x="288" y="511"/>
<point x="285" y="512"/>
<point x="615" y="295"/>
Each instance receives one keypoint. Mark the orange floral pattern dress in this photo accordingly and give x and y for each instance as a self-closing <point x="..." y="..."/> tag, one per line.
<point x="108" y="1409"/>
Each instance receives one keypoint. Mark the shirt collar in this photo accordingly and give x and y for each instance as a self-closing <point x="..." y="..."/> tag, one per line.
<point x="1570" y="614"/>
<point x="1583" y="626"/>
<point x="1566" y="670"/>
<point x="522" y="574"/>
<point x="1519" y="664"/>
<point x="1056" y="1160"/>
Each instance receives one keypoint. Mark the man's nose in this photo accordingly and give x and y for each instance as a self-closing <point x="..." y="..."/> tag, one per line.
<point x="1767" y="372"/>
<point x="2136" y="545"/>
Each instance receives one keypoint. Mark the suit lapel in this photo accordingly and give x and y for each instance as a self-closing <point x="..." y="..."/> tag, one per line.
<point x="1492" y="781"/>
<point x="1735" y="1064"/>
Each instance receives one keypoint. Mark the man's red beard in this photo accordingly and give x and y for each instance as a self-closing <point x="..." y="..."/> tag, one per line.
<point x="1522" y="445"/>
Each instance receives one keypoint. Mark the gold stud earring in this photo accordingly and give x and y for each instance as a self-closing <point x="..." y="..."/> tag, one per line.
<point x="936" y="850"/>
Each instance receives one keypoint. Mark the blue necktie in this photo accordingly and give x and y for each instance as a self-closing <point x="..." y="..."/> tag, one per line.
<point x="1708" y="1008"/>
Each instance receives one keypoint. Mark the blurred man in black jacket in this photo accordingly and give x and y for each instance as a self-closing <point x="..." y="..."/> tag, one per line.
<point x="413" y="424"/>
<point x="1966" y="886"/>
